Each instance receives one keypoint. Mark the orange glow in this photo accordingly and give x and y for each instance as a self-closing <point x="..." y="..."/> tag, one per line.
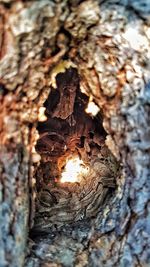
<point x="74" y="170"/>
<point x="92" y="109"/>
<point x="41" y="115"/>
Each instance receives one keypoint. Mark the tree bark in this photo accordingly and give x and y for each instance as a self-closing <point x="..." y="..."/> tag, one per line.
<point x="109" y="43"/>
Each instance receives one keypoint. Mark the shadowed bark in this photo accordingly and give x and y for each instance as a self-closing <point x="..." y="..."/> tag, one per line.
<point x="108" y="42"/>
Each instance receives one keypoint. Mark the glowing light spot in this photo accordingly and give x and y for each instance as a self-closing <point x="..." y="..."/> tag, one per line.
<point x="41" y="115"/>
<point x="92" y="109"/>
<point x="74" y="170"/>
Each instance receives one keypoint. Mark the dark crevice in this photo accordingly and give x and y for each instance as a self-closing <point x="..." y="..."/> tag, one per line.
<point x="3" y="90"/>
<point x="63" y="38"/>
<point x="70" y="133"/>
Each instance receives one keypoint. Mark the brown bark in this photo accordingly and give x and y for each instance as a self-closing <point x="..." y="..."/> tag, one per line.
<point x="108" y="43"/>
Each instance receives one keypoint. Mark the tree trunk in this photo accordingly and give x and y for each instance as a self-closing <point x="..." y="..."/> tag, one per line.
<point x="108" y="43"/>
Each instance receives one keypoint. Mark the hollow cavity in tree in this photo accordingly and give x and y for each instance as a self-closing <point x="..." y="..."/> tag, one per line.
<point x="77" y="169"/>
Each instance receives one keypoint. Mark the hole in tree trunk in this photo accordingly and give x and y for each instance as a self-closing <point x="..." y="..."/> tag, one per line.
<point x="77" y="171"/>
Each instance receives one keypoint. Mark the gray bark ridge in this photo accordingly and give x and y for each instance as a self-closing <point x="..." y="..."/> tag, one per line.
<point x="14" y="206"/>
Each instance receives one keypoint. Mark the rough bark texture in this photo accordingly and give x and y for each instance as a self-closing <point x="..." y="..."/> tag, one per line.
<point x="109" y="44"/>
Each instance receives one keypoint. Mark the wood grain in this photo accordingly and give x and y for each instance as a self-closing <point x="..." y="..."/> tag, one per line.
<point x="69" y="131"/>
